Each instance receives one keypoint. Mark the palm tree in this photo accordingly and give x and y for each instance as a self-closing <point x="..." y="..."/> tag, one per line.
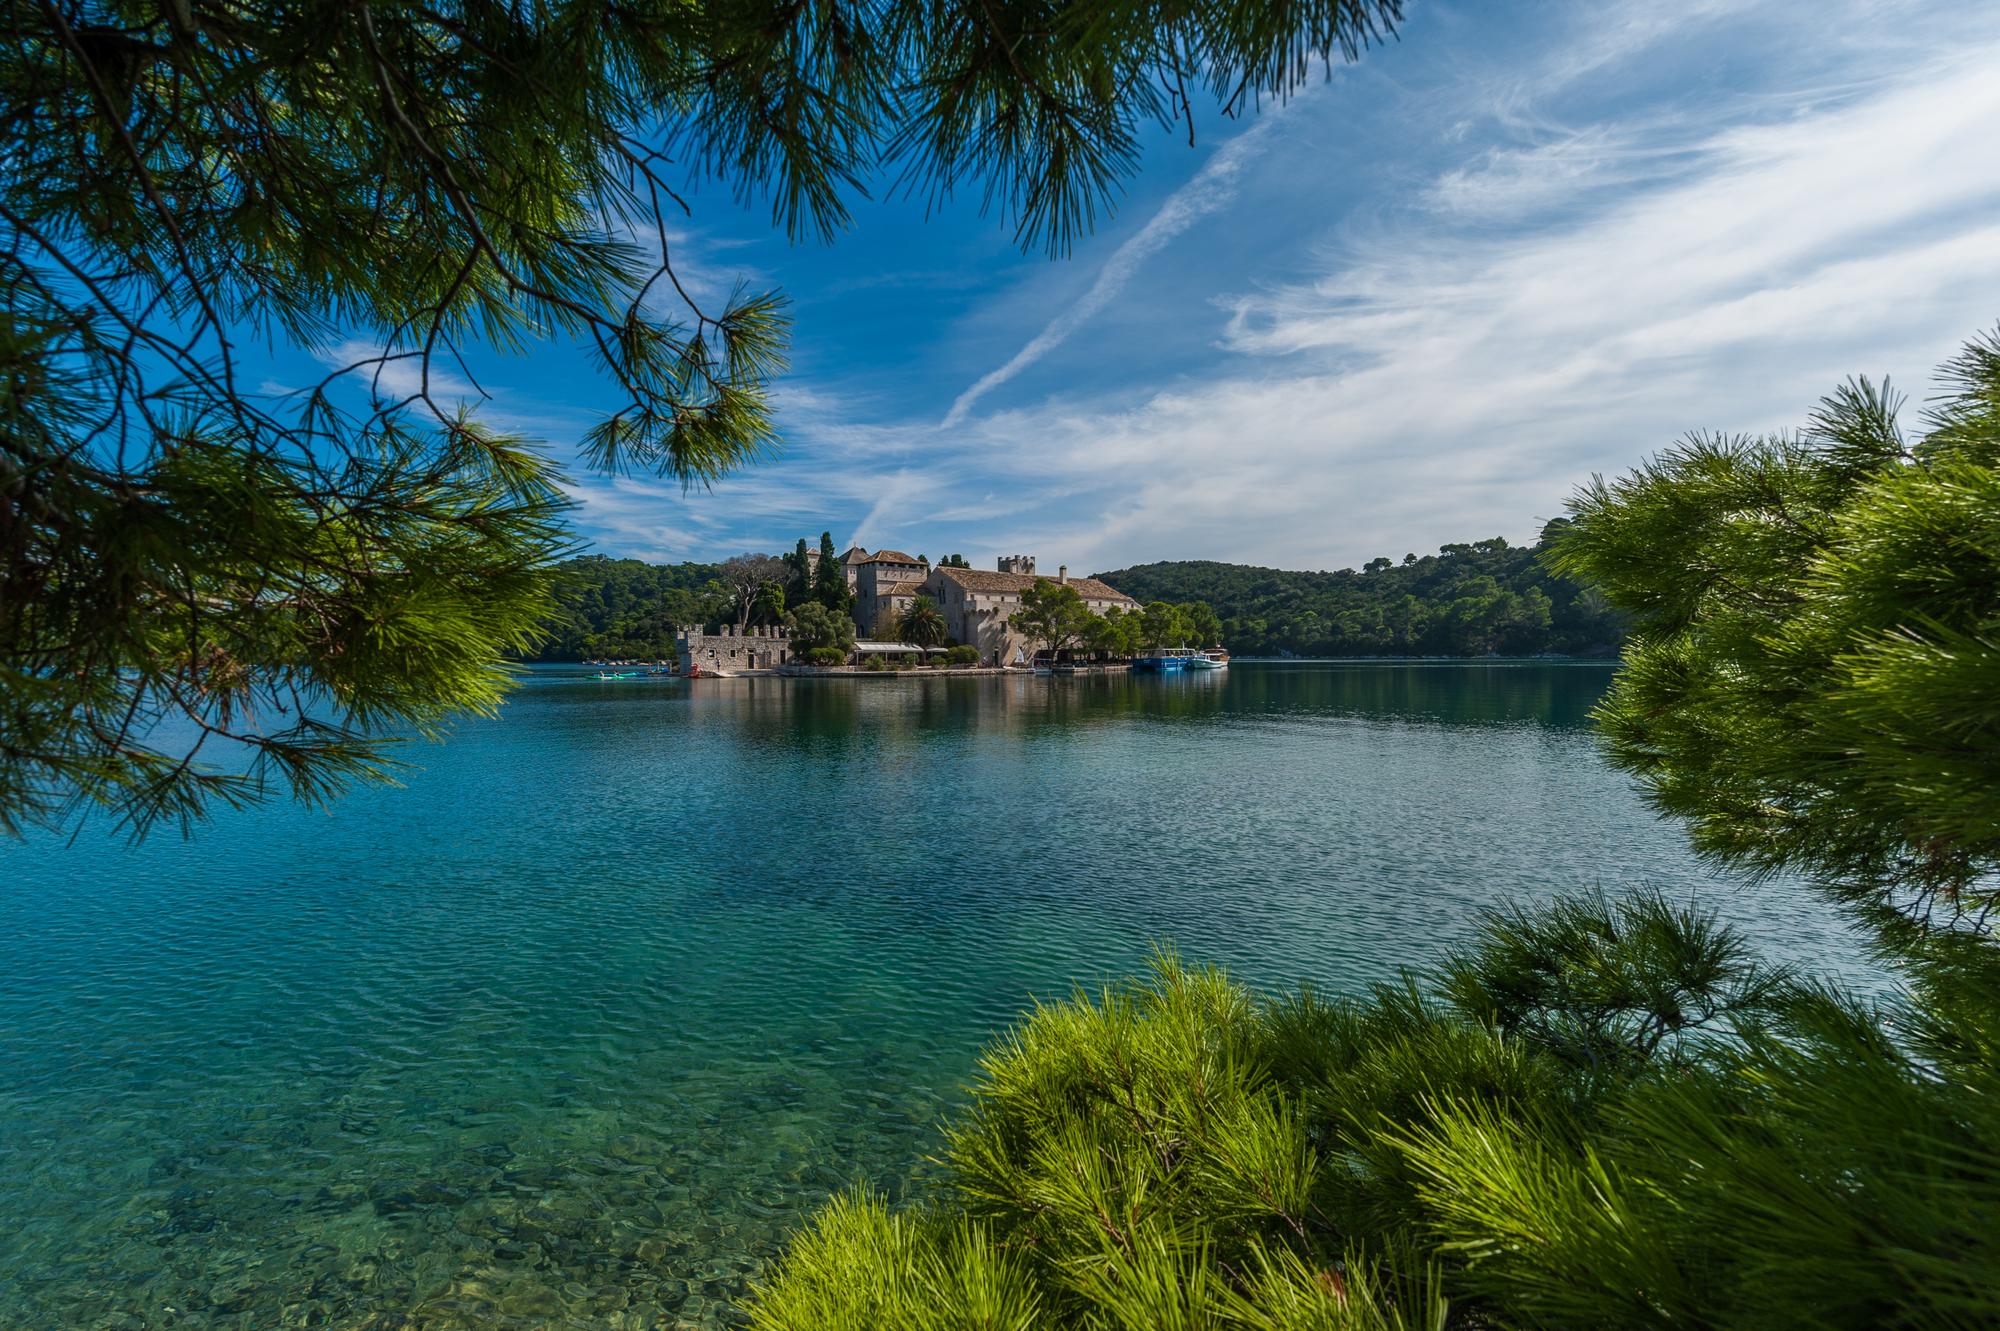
<point x="922" y="624"/>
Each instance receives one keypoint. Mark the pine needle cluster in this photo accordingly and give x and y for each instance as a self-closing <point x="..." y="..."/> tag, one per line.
<point x="212" y="589"/>
<point x="1814" y="681"/>
<point x="1610" y="1115"/>
<point x="1605" y="1113"/>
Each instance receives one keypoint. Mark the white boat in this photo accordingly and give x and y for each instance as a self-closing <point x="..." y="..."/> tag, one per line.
<point x="1215" y="660"/>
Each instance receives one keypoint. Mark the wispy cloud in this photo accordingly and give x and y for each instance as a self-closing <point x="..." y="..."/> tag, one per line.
<point x="391" y="374"/>
<point x="630" y="517"/>
<point x="1209" y="192"/>
<point x="1437" y="384"/>
<point x="1563" y="169"/>
<point x="1485" y="280"/>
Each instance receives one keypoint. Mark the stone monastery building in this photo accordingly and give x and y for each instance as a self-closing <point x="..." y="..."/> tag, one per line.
<point x="977" y="605"/>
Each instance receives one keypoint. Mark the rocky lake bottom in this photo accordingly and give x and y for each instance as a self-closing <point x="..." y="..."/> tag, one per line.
<point x="577" y="1026"/>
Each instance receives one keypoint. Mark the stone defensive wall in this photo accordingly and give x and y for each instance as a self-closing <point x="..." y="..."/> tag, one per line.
<point x="754" y="648"/>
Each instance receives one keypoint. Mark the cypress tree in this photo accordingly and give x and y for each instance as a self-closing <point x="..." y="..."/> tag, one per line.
<point x="799" y="584"/>
<point x="830" y="582"/>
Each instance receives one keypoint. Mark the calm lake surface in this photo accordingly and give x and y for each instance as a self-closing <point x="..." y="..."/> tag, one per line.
<point x="569" y="1031"/>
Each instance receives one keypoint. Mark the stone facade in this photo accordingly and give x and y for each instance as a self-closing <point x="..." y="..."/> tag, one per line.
<point x="979" y="606"/>
<point x="884" y="585"/>
<point x="755" y="648"/>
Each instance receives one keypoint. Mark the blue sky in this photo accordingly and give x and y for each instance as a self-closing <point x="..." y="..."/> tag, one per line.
<point x="1421" y="303"/>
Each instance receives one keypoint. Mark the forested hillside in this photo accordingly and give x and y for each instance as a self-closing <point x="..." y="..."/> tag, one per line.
<point x="1466" y="600"/>
<point x="626" y="609"/>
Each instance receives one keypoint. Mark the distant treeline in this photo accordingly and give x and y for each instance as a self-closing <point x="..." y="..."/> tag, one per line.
<point x="626" y="609"/>
<point x="1465" y="600"/>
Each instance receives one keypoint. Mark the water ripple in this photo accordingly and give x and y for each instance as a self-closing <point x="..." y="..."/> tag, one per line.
<point x="569" y="1032"/>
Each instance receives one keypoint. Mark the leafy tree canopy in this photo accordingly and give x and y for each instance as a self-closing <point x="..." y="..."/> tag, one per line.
<point x="1161" y="624"/>
<point x="768" y="605"/>
<point x="1054" y="615"/>
<point x="625" y="609"/>
<point x="746" y="576"/>
<point x="813" y="625"/>
<point x="289" y="578"/>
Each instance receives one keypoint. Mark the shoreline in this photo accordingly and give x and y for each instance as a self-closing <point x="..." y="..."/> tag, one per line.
<point x="1107" y="667"/>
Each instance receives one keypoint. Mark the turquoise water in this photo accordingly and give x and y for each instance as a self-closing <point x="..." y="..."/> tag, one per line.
<point x="572" y="1029"/>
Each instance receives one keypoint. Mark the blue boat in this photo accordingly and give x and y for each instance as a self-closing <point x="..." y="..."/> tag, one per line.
<point x="1168" y="663"/>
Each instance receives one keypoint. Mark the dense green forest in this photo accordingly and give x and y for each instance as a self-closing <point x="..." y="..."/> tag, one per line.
<point x="627" y="609"/>
<point x="1465" y="600"/>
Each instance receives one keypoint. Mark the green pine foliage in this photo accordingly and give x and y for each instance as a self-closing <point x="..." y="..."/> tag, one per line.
<point x="1608" y="1115"/>
<point x="1606" y="1112"/>
<point x="1814" y="683"/>
<point x="1832" y="1165"/>
<point x="197" y="569"/>
<point x="1466" y="600"/>
<point x="234" y="624"/>
<point x="1134" y="1159"/>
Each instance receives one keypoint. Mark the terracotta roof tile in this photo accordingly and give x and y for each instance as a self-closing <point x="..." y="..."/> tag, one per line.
<point x="979" y="580"/>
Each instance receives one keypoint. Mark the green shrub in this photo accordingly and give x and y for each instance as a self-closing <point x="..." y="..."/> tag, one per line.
<point x="1603" y="1114"/>
<point x="1606" y="1114"/>
<point x="962" y="654"/>
<point x="825" y="656"/>
<point x="913" y="658"/>
<point x="813" y="625"/>
<point x="1145" y="1157"/>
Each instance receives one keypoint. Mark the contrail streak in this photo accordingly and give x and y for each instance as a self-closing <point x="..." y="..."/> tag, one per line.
<point x="1212" y="188"/>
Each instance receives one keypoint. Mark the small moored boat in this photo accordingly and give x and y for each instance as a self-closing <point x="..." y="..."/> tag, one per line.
<point x="1164" y="663"/>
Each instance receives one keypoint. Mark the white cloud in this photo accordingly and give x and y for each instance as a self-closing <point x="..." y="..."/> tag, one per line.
<point x="628" y="515"/>
<point x="1444" y="385"/>
<point x="1210" y="191"/>
<point x="1564" y="295"/>
<point x="1509" y="183"/>
<point x="392" y="374"/>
